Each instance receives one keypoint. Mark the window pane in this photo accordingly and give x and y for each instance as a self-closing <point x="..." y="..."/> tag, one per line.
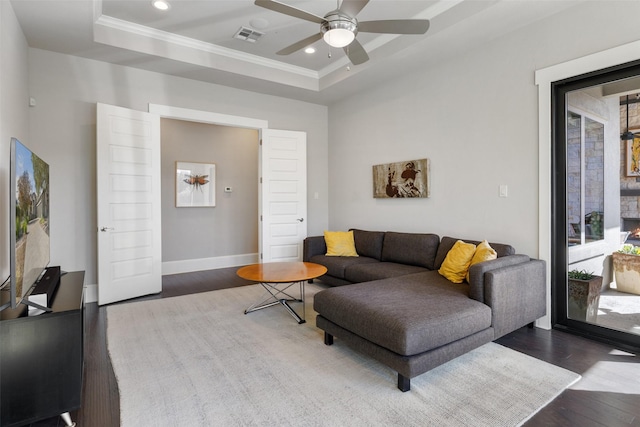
<point x="593" y="180"/>
<point x="574" y="168"/>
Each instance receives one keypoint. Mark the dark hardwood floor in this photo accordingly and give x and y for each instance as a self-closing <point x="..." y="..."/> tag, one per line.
<point x="607" y="395"/>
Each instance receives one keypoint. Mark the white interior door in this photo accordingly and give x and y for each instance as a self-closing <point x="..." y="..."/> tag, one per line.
<point x="129" y="224"/>
<point x="283" y="195"/>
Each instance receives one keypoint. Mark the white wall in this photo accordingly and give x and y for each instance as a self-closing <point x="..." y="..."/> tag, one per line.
<point x="14" y="109"/>
<point x="476" y="118"/>
<point x="62" y="129"/>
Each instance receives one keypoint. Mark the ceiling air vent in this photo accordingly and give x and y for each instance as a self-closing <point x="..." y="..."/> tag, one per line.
<point x="248" y="34"/>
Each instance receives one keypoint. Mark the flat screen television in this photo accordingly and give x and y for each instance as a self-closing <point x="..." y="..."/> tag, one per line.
<point x="29" y="248"/>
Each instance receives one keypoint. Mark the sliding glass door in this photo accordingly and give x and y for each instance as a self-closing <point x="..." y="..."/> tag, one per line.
<point x="589" y="161"/>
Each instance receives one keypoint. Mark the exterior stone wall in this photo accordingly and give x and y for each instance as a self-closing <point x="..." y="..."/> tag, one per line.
<point x="592" y="207"/>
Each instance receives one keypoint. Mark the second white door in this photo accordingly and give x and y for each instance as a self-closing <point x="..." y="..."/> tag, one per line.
<point x="283" y="195"/>
<point x="129" y="224"/>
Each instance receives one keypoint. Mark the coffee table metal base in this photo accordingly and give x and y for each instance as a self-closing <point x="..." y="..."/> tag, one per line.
<point x="277" y="296"/>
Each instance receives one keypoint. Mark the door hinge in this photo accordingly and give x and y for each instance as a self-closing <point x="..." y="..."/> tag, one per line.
<point x="260" y="142"/>
<point x="260" y="180"/>
<point x="261" y="255"/>
<point x="260" y="217"/>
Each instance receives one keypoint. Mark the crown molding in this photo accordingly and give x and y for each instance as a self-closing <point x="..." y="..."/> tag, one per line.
<point x="191" y="43"/>
<point x="113" y="31"/>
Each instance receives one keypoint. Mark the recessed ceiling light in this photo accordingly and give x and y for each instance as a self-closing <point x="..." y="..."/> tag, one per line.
<point x="161" y="4"/>
<point x="310" y="50"/>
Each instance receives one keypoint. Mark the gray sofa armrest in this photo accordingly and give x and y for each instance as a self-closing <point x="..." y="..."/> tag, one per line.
<point x="517" y="295"/>
<point x="313" y="245"/>
<point x="477" y="272"/>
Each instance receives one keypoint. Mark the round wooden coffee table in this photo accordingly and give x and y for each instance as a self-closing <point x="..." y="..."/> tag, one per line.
<point x="276" y="278"/>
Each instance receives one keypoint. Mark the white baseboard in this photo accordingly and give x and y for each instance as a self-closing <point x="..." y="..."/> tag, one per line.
<point x="90" y="293"/>
<point x="544" y="323"/>
<point x="187" y="266"/>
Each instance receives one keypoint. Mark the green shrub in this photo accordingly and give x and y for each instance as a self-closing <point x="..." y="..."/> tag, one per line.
<point x="581" y="274"/>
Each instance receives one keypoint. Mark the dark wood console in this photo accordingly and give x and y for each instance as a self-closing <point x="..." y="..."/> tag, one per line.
<point x="41" y="357"/>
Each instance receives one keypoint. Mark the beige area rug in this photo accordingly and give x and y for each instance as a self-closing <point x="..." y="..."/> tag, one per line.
<point x="198" y="360"/>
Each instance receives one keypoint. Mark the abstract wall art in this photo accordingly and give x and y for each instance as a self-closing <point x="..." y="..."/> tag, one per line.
<point x="402" y="179"/>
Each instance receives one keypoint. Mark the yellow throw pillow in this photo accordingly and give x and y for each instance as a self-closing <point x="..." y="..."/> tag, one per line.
<point x="484" y="252"/>
<point x="340" y="243"/>
<point x="456" y="263"/>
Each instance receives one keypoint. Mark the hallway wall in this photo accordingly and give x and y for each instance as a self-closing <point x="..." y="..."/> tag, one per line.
<point x="231" y="227"/>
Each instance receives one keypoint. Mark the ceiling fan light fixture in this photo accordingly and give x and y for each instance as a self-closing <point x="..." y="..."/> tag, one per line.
<point x="338" y="37"/>
<point x="339" y="27"/>
<point x="339" y="30"/>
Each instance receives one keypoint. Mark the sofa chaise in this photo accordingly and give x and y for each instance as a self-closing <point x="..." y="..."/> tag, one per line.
<point x="392" y="303"/>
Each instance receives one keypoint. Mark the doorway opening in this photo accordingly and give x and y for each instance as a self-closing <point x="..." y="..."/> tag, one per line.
<point x="176" y="264"/>
<point x="226" y="232"/>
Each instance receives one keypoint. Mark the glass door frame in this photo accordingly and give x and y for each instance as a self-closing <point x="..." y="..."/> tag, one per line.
<point x="559" y="238"/>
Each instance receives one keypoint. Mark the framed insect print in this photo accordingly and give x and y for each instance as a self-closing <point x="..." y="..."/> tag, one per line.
<point x="195" y="184"/>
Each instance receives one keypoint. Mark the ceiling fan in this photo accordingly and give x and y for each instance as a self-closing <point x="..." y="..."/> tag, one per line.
<point x="339" y="27"/>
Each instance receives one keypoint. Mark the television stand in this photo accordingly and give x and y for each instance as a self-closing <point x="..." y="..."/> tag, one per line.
<point x="41" y="357"/>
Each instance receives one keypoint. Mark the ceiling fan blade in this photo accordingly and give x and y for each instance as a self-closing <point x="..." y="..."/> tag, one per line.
<point x="395" y="26"/>
<point x="289" y="10"/>
<point x="356" y="53"/>
<point x="352" y="7"/>
<point x="299" y="45"/>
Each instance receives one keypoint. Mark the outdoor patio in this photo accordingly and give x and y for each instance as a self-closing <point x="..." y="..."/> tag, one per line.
<point x="619" y="310"/>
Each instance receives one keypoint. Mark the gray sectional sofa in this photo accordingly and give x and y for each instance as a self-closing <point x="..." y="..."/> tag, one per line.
<point x="399" y="310"/>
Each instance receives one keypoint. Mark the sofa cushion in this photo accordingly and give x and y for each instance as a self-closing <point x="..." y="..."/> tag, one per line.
<point x="456" y="264"/>
<point x="447" y="243"/>
<point x="340" y="243"/>
<point x="368" y="243"/>
<point x="337" y="265"/>
<point x="381" y="270"/>
<point x="410" y="248"/>
<point x="407" y="315"/>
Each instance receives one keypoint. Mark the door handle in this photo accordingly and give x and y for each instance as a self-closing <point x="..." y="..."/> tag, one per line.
<point x="300" y="219"/>
<point x="104" y="229"/>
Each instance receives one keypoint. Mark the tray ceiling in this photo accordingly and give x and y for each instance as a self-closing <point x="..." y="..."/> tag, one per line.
<point x="195" y="39"/>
